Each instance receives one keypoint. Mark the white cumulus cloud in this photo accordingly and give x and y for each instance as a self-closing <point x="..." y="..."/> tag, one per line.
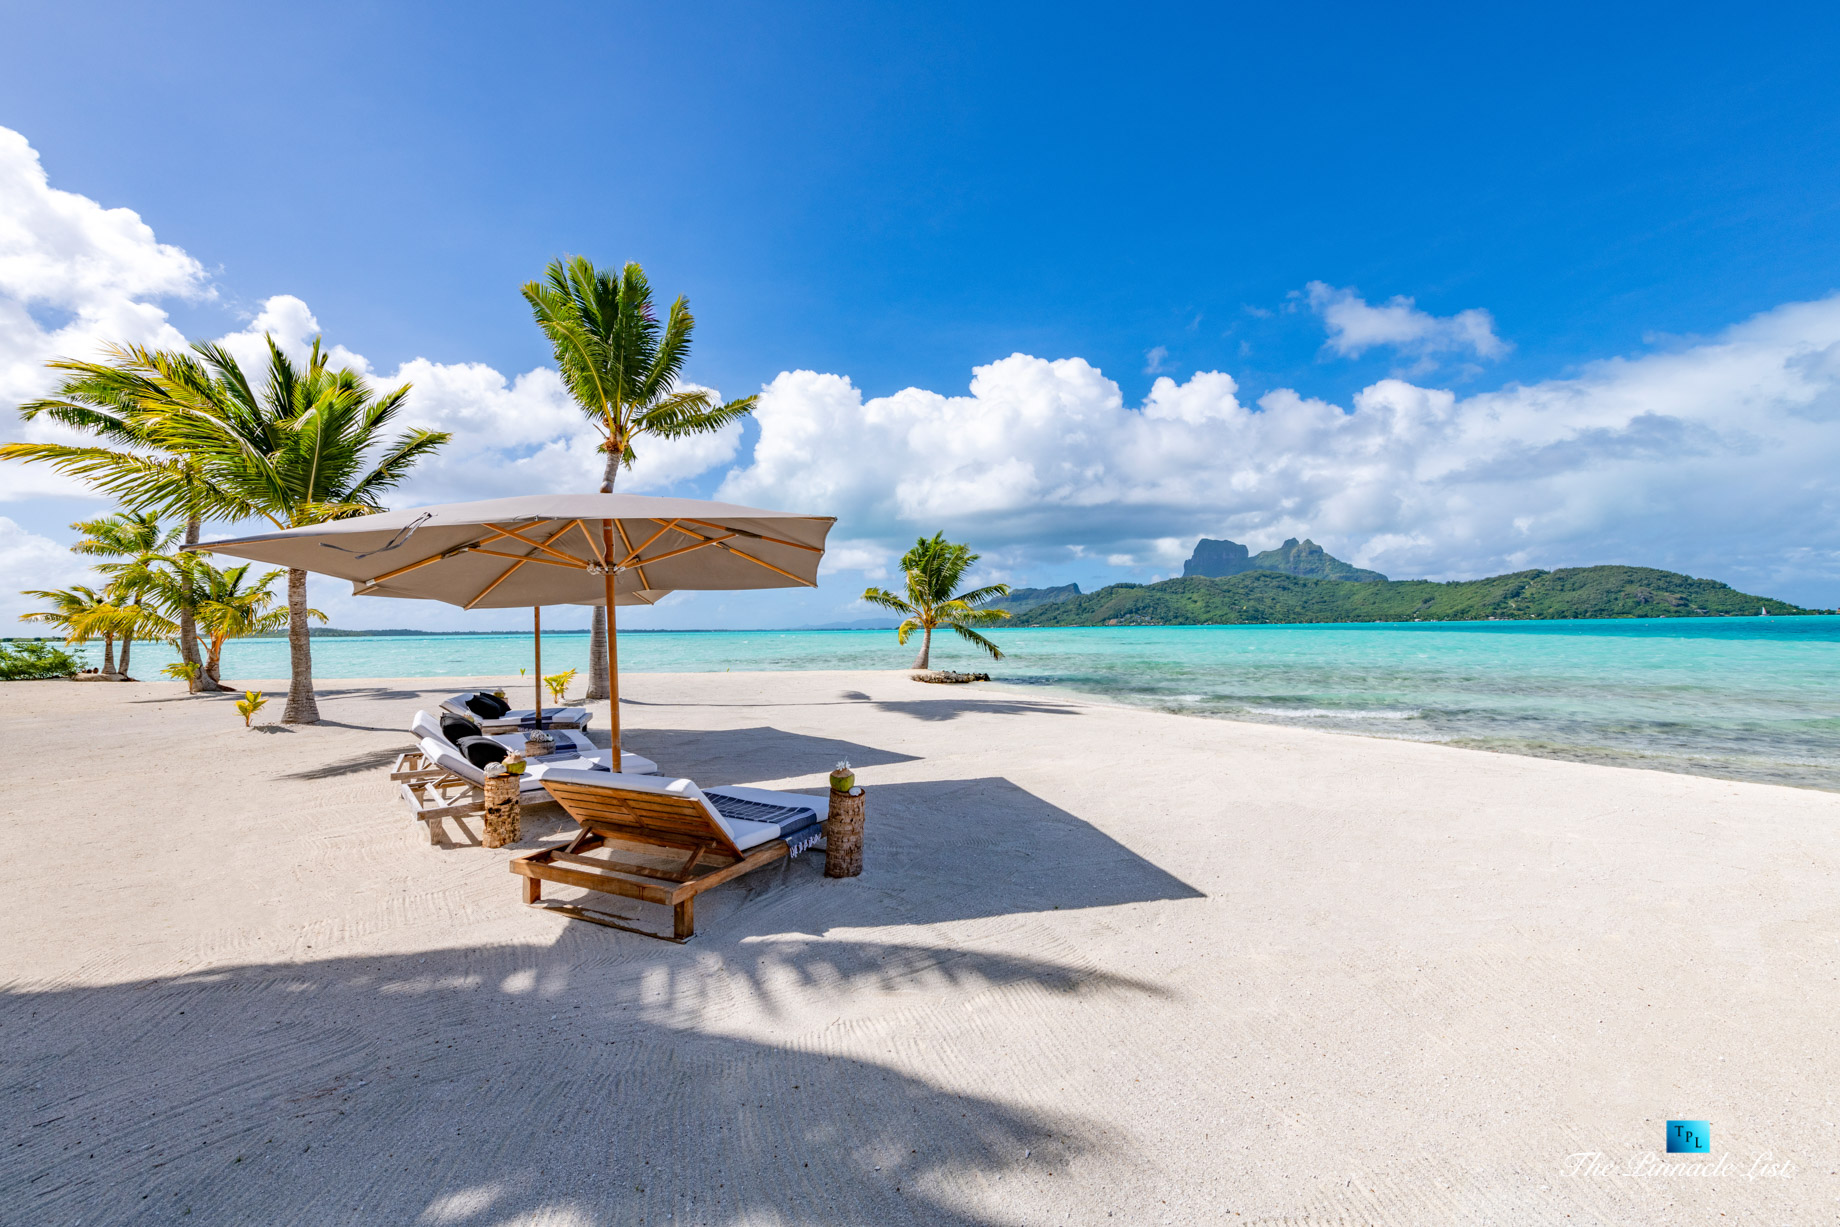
<point x="1714" y="459"/>
<point x="28" y="560"/>
<point x="1356" y="326"/>
<point x="516" y="435"/>
<point x="73" y="276"/>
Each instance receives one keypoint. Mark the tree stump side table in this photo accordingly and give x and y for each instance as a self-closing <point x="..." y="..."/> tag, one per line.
<point x="504" y="816"/>
<point x="843" y="835"/>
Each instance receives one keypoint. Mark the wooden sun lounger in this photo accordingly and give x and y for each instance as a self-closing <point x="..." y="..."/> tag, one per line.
<point x="689" y="851"/>
<point x="433" y="793"/>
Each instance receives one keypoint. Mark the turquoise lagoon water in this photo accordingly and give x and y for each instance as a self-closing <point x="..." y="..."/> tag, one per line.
<point x="1745" y="698"/>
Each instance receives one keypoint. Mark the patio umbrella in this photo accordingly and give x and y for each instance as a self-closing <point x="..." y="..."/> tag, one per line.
<point x="553" y="549"/>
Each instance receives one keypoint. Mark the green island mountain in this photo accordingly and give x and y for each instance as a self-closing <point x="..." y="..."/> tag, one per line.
<point x="1219" y="559"/>
<point x="1255" y="596"/>
<point x="1021" y="600"/>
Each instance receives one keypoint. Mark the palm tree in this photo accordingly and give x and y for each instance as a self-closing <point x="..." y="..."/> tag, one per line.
<point x="622" y="367"/>
<point x="306" y="448"/>
<point x="228" y="610"/>
<point x="113" y="401"/>
<point x="934" y="568"/>
<point x="136" y="546"/>
<point x="69" y="612"/>
<point x="123" y="613"/>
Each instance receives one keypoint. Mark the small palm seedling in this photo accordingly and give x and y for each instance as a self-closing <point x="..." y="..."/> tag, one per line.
<point x="251" y="703"/>
<point x="558" y="683"/>
<point x="183" y="671"/>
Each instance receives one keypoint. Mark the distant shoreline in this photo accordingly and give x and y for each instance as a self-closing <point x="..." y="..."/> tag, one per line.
<point x="402" y="633"/>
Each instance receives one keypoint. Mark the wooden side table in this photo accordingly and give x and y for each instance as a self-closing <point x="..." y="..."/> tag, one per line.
<point x="504" y="814"/>
<point x="843" y="835"/>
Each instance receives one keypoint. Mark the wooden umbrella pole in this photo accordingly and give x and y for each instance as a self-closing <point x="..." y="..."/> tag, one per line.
<point x="613" y="648"/>
<point x="536" y="634"/>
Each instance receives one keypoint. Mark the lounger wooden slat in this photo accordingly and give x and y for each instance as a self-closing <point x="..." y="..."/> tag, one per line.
<point x="695" y="850"/>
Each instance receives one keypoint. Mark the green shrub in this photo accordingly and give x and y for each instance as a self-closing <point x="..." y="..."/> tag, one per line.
<point x="26" y="659"/>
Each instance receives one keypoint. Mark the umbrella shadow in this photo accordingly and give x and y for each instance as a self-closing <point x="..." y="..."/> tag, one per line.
<point x="715" y="756"/>
<point x="486" y="1084"/>
<point x="934" y="851"/>
<point x="948" y="708"/>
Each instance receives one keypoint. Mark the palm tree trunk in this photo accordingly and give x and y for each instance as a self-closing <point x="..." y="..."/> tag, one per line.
<point x="302" y="708"/>
<point x="926" y="650"/>
<point x="108" y="653"/>
<point x="188" y="623"/>
<point x="600" y="686"/>
<point x="127" y="642"/>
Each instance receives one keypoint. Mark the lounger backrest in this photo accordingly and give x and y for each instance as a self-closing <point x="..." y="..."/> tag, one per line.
<point x="426" y="725"/>
<point x="447" y="758"/>
<point x="665" y="811"/>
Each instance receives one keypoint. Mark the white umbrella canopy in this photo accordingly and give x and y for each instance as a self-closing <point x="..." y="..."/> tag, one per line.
<point x="553" y="549"/>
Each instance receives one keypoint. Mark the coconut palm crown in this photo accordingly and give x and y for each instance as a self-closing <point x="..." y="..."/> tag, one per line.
<point x="304" y="446"/>
<point x="623" y="369"/>
<point x="192" y="431"/>
<point x="934" y="569"/>
<point x="113" y="401"/>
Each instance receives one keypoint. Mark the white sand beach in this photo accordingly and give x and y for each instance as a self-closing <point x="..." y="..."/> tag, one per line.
<point x="1103" y="965"/>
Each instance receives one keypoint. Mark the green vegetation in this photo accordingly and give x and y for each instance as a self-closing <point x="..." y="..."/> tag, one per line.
<point x="1266" y="596"/>
<point x="559" y="683"/>
<point x="30" y="659"/>
<point x="934" y="568"/>
<point x="75" y="611"/>
<point x="623" y="369"/>
<point x="1022" y="599"/>
<point x="231" y="608"/>
<point x="251" y="703"/>
<point x="190" y="433"/>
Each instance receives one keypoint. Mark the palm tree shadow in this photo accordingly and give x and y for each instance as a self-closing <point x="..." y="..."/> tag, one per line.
<point x="370" y="760"/>
<point x="953" y="708"/>
<point x="478" y="1085"/>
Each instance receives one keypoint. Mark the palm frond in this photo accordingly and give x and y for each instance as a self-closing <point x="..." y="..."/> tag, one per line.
<point x="620" y="364"/>
<point x="977" y="596"/>
<point x="966" y="633"/>
<point x="888" y="600"/>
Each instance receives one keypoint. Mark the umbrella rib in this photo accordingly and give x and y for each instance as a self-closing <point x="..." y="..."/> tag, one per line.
<point x="685" y="549"/>
<point x="769" y="566"/>
<point x="543" y="544"/>
<point x="512" y="569"/>
<point x="737" y="532"/>
<point x="797" y="545"/>
<point x="505" y="575"/>
<point x="548" y="562"/>
<point x="631" y="553"/>
<point x="441" y="557"/>
<point x="594" y="547"/>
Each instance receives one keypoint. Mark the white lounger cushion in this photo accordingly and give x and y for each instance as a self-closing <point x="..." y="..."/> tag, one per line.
<point x="746" y="834"/>
<point x="426" y="724"/>
<point x="427" y="728"/>
<point x="450" y="760"/>
<point x="456" y="705"/>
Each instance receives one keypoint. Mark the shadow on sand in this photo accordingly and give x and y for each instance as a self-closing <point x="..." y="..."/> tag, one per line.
<point x="949" y="707"/>
<point x="482" y="1086"/>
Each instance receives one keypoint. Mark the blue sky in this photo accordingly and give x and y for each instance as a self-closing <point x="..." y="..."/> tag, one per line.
<point x="897" y="197"/>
